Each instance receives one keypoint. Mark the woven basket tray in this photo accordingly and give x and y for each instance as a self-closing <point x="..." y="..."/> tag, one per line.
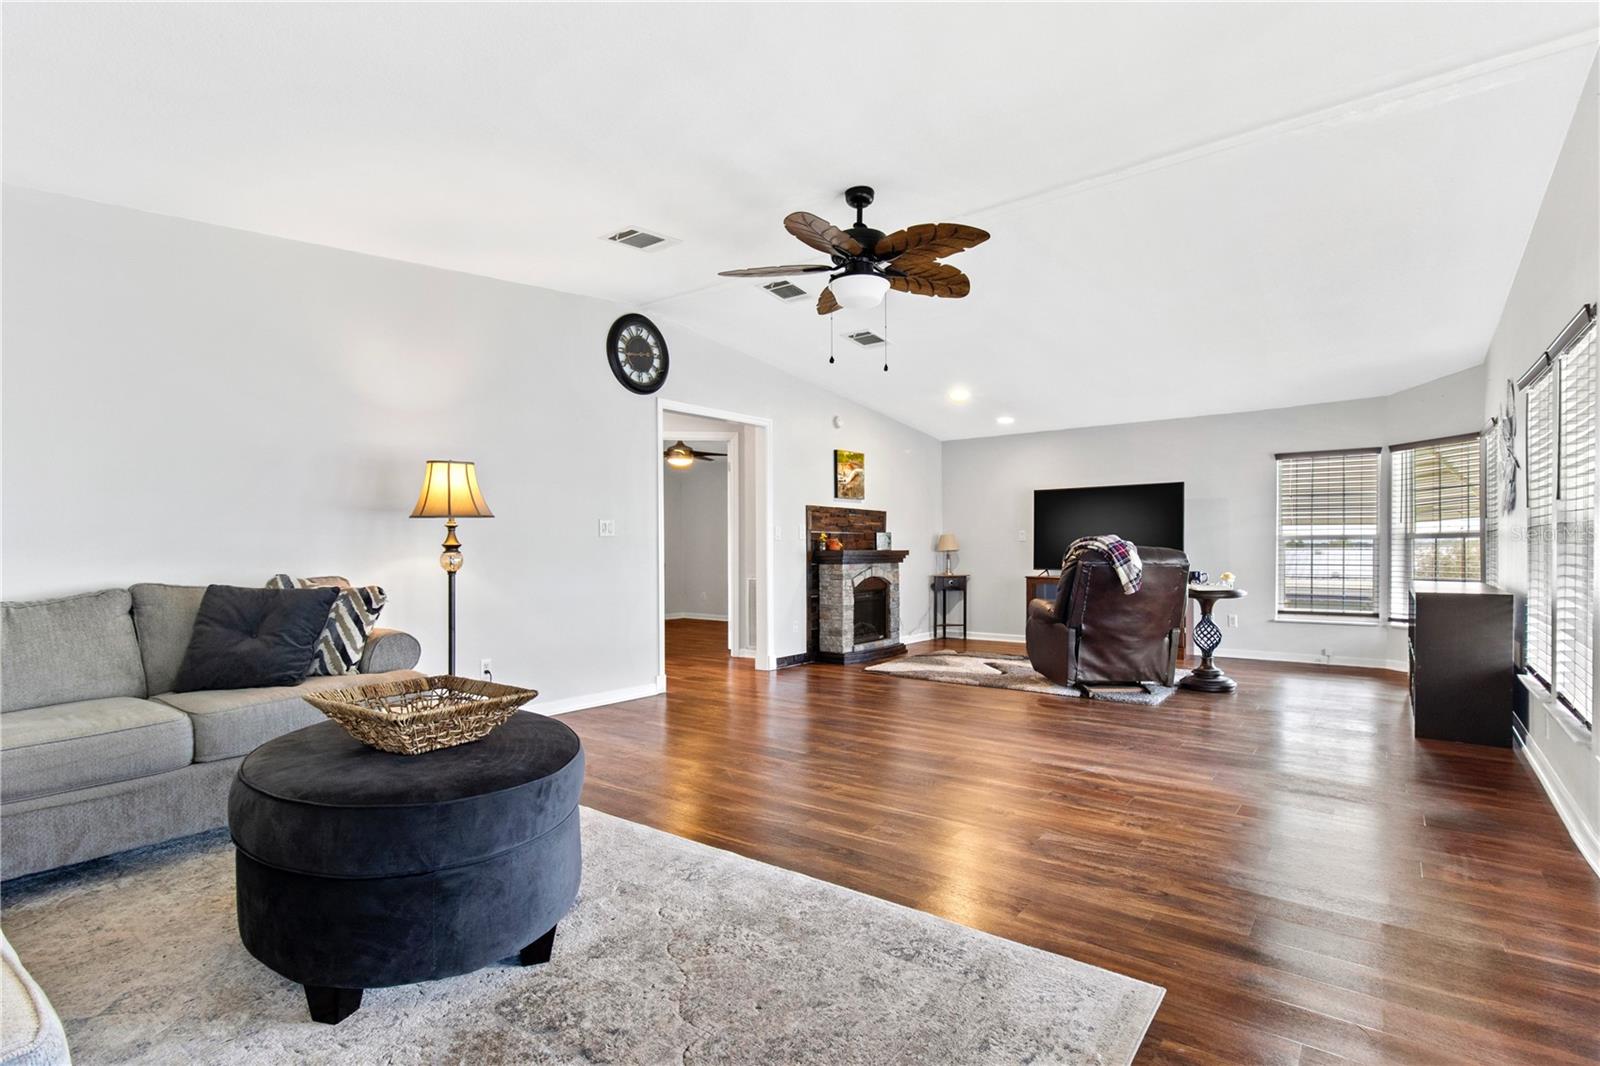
<point x="421" y="714"/>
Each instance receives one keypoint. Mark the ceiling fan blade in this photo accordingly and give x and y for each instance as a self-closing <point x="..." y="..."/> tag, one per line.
<point x="710" y="455"/>
<point x="826" y="304"/>
<point x="777" y="271"/>
<point x="923" y="277"/>
<point x="821" y="234"/>
<point x="930" y="240"/>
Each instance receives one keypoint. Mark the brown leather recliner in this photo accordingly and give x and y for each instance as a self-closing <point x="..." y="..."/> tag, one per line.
<point x="1096" y="634"/>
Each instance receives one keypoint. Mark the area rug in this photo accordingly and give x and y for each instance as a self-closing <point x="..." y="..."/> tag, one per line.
<point x="1008" y="671"/>
<point x="675" y="953"/>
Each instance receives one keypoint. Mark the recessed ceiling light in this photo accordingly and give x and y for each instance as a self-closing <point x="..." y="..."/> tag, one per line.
<point x="958" y="394"/>
<point x="1004" y="420"/>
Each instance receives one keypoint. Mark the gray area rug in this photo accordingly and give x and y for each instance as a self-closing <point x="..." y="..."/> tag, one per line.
<point x="675" y="953"/>
<point x="1008" y="671"/>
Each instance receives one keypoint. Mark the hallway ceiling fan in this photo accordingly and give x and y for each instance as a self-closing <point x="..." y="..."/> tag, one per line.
<point x="680" y="456"/>
<point x="870" y="262"/>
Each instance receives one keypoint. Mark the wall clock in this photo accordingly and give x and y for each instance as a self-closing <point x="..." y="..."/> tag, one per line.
<point x="637" y="354"/>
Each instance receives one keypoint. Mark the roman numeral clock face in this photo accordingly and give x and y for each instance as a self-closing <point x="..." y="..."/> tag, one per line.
<point x="637" y="354"/>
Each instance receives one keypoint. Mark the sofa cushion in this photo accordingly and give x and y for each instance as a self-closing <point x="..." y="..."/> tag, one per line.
<point x="249" y="638"/>
<point x="163" y="619"/>
<point x="235" y="722"/>
<point x="68" y="746"/>
<point x="350" y="622"/>
<point x="74" y="648"/>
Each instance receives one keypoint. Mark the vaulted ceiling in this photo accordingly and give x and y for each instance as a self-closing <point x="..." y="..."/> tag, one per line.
<point x="1195" y="208"/>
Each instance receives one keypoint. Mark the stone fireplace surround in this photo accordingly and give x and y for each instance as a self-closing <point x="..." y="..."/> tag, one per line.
<point x="839" y="574"/>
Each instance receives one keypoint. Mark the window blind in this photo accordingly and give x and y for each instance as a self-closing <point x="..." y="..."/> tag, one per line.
<point x="1575" y="516"/>
<point x="1491" y="502"/>
<point x="1541" y="526"/>
<point x="1328" y="533"/>
<point x="1435" y="516"/>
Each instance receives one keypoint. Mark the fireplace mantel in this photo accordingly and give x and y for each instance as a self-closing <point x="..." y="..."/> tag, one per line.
<point x="857" y="555"/>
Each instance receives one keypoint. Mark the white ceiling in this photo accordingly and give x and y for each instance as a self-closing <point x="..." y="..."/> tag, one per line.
<point x="1195" y="208"/>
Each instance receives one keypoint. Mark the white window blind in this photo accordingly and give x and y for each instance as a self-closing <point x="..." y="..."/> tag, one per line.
<point x="1575" y="515"/>
<point x="1541" y="526"/>
<point x="1492" y="503"/>
<point x="1328" y="533"/>
<point x="1435" y="516"/>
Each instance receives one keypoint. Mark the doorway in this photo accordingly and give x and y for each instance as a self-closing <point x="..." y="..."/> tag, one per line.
<point x="714" y="577"/>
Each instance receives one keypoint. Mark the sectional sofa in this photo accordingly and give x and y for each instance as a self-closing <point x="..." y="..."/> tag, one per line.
<point x="98" y="754"/>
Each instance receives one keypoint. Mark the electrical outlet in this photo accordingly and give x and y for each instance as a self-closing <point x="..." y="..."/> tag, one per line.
<point x="1233" y="621"/>
<point x="608" y="527"/>
<point x="486" y="668"/>
<point x="777" y="531"/>
<point x="1022" y="534"/>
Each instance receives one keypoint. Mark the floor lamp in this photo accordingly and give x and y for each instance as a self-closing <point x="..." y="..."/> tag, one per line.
<point x="450" y="491"/>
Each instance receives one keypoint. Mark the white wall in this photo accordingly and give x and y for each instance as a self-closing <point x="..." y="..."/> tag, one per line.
<point x="1227" y="465"/>
<point x="188" y="403"/>
<point x="697" y="536"/>
<point x="1560" y="272"/>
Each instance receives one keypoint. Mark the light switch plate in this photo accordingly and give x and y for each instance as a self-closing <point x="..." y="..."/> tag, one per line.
<point x="608" y="527"/>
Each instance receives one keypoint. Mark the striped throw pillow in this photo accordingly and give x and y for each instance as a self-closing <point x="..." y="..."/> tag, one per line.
<point x="350" y="623"/>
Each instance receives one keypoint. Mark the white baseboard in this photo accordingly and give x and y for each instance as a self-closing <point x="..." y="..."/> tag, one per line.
<point x="1582" y="834"/>
<point x="1004" y="638"/>
<point x="695" y="616"/>
<point x="599" y="699"/>
<point x="915" y="638"/>
<point x="1225" y="653"/>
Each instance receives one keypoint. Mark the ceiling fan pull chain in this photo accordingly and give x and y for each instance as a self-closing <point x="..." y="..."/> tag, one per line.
<point x="830" y="339"/>
<point x="886" y="333"/>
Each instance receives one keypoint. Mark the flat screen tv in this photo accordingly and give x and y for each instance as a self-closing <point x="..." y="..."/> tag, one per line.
<point x="1145" y="514"/>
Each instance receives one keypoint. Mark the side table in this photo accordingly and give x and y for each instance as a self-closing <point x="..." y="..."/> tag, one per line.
<point x="943" y="584"/>
<point x="1208" y="637"/>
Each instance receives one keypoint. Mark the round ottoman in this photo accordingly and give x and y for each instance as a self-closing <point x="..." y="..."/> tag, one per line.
<point x="360" y="869"/>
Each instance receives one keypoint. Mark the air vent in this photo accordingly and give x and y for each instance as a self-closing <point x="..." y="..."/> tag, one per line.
<point x="785" y="290"/>
<point x="640" y="239"/>
<point x="864" y="337"/>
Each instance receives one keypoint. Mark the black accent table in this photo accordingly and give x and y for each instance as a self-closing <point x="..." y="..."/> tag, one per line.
<point x="356" y="868"/>
<point x="943" y="585"/>
<point x="1208" y="637"/>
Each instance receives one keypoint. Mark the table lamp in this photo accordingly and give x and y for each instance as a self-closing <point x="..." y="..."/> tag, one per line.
<point x="450" y="491"/>
<point x="947" y="544"/>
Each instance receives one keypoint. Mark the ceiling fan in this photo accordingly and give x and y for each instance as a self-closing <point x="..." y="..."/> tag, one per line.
<point x="870" y="262"/>
<point x="680" y="456"/>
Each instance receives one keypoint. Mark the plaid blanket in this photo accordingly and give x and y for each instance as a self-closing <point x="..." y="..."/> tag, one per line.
<point x="1121" y="554"/>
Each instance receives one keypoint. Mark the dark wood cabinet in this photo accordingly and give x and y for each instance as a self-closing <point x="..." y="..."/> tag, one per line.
<point x="1463" y="669"/>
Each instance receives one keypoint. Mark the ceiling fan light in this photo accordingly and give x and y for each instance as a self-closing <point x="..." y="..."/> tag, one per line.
<point x="857" y="292"/>
<point x="680" y="456"/>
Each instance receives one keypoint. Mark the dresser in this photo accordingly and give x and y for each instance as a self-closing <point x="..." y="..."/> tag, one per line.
<point x="1463" y="670"/>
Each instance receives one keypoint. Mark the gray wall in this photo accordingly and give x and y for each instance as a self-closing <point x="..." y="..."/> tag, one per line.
<point x="696" y="520"/>
<point x="189" y="403"/>
<point x="1560" y="271"/>
<point x="1227" y="465"/>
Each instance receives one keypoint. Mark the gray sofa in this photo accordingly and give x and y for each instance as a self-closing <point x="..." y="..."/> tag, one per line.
<point x="98" y="754"/>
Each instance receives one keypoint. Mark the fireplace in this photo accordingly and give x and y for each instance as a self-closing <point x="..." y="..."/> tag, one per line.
<point x="871" y="619"/>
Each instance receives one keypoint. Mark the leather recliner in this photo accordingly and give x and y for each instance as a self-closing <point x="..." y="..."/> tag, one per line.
<point x="1094" y="633"/>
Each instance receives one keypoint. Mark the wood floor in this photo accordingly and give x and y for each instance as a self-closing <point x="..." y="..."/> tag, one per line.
<point x="1309" y="883"/>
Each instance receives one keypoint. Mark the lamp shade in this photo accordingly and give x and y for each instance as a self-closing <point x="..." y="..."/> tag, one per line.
<point x="450" y="490"/>
<point x="857" y="292"/>
<point x="680" y="456"/>
<point x="947" y="543"/>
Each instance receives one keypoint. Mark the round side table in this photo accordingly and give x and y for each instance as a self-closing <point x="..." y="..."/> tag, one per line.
<point x="1208" y="637"/>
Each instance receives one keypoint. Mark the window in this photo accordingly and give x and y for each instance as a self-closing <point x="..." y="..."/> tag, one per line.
<point x="1561" y="396"/>
<point x="1435" y="516"/>
<point x="1328" y="533"/>
<point x="1541" y="525"/>
<point x="1492" y="502"/>
<point x="1574" y="546"/>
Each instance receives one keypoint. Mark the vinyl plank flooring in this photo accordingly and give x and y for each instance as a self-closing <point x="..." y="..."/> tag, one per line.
<point x="1309" y="883"/>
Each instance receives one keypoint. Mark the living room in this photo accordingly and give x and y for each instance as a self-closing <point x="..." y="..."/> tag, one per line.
<point x="1299" y="303"/>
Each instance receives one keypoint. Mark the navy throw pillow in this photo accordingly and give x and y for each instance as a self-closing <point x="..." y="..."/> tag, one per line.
<point x="253" y="638"/>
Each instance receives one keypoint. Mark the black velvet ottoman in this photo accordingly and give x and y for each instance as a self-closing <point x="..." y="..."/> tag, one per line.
<point x="360" y="869"/>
